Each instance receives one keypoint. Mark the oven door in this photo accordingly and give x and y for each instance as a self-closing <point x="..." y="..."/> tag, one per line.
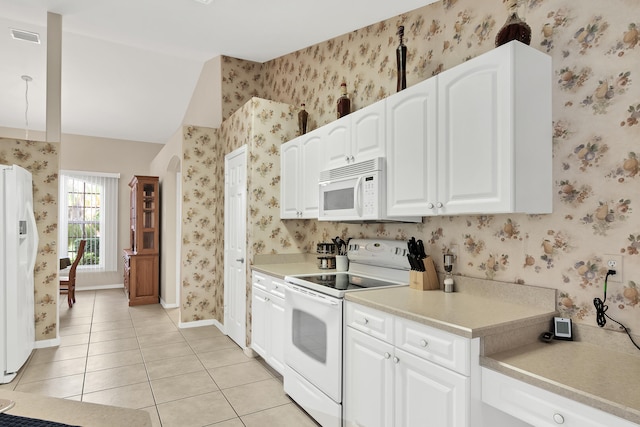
<point x="313" y="341"/>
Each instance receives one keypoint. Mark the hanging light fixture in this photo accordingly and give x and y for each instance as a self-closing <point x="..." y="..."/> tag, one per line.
<point x="26" y="79"/>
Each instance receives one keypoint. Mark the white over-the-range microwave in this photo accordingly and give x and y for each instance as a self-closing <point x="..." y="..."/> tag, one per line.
<point x="355" y="193"/>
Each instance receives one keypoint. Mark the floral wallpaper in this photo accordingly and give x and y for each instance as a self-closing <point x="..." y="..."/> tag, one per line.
<point x="202" y="226"/>
<point x="241" y="80"/>
<point x="41" y="159"/>
<point x="594" y="48"/>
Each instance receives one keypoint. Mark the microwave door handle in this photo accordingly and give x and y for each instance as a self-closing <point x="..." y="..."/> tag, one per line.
<point x="358" y="196"/>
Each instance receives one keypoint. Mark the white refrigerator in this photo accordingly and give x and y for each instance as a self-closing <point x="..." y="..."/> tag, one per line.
<point x="18" y="250"/>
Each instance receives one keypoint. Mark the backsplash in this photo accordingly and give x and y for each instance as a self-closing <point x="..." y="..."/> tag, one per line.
<point x="41" y="159"/>
<point x="594" y="48"/>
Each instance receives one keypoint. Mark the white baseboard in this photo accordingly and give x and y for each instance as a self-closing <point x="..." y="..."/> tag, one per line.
<point x="197" y="323"/>
<point x="165" y="305"/>
<point x="47" y="343"/>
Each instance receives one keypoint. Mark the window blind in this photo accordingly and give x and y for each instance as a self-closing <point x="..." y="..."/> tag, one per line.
<point x="89" y="211"/>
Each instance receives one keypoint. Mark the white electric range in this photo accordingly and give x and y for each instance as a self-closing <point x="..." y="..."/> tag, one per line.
<point x="314" y="323"/>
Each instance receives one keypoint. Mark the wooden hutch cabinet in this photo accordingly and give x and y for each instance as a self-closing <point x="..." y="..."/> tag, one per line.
<point x="141" y="261"/>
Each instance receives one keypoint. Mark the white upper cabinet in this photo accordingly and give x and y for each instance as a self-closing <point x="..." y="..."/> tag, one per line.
<point x="299" y="177"/>
<point x="356" y="137"/>
<point x="474" y="139"/>
<point x="495" y="133"/>
<point x="411" y="150"/>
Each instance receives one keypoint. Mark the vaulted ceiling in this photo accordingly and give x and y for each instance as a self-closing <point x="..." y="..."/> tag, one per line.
<point x="129" y="67"/>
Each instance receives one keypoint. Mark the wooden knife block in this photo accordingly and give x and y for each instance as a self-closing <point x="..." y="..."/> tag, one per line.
<point x="424" y="280"/>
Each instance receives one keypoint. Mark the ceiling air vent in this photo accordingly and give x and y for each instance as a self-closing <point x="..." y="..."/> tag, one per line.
<point x="27" y="36"/>
<point x="203" y="1"/>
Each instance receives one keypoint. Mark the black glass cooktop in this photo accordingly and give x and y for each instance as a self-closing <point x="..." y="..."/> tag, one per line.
<point x="346" y="281"/>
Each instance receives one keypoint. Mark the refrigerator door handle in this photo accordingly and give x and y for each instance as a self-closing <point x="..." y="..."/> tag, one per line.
<point x="34" y="237"/>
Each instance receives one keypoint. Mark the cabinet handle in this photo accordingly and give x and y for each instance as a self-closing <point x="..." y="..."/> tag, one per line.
<point x="439" y="204"/>
<point x="366" y="321"/>
<point x="387" y="355"/>
<point x="430" y="206"/>
<point x="558" y="418"/>
<point x="241" y="260"/>
<point x="346" y="159"/>
<point x="424" y="343"/>
<point x="395" y="359"/>
<point x="353" y="159"/>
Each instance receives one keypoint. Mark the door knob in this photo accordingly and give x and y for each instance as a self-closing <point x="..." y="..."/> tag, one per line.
<point x="240" y="260"/>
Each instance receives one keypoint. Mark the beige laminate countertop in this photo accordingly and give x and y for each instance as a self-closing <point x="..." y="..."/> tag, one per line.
<point x="463" y="314"/>
<point x="588" y="373"/>
<point x="289" y="269"/>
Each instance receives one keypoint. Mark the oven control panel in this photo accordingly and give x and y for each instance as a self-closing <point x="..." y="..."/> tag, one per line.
<point x="379" y="252"/>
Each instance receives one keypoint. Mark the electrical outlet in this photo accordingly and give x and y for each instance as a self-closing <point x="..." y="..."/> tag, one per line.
<point x="614" y="262"/>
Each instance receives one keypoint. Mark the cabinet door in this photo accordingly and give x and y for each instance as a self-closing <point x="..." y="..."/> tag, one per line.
<point x="427" y="394"/>
<point x="289" y="173"/>
<point x="475" y="133"/>
<point x="336" y="143"/>
<point x="275" y="357"/>
<point x="368" y="132"/>
<point x="411" y="150"/>
<point x="259" y="327"/>
<point x="368" y="381"/>
<point x="309" y="176"/>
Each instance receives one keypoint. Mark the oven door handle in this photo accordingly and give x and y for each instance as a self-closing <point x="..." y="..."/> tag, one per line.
<point x="311" y="295"/>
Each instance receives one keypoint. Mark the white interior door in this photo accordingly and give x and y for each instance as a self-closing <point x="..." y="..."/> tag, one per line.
<point x="235" y="247"/>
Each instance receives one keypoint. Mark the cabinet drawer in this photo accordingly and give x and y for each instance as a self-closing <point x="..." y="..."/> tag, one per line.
<point x="277" y="288"/>
<point x="540" y="407"/>
<point x="261" y="281"/>
<point x="370" y="321"/>
<point x="442" y="348"/>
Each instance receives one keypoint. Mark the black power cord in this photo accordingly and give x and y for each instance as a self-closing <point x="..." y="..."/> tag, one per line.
<point x="601" y="310"/>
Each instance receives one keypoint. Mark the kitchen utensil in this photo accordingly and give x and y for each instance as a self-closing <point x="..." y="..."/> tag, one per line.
<point x="416" y="254"/>
<point x="421" y="254"/>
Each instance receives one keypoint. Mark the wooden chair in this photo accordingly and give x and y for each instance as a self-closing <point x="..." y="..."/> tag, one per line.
<point x="69" y="284"/>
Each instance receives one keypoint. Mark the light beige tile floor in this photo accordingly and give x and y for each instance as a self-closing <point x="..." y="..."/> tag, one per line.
<point x="137" y="357"/>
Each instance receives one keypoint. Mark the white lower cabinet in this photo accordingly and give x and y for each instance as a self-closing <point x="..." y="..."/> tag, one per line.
<point x="387" y="386"/>
<point x="267" y="319"/>
<point x="539" y="407"/>
<point x="368" y="381"/>
<point x="401" y="373"/>
<point x="427" y="394"/>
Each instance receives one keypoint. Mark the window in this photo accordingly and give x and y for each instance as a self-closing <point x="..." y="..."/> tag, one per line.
<point x="89" y="211"/>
